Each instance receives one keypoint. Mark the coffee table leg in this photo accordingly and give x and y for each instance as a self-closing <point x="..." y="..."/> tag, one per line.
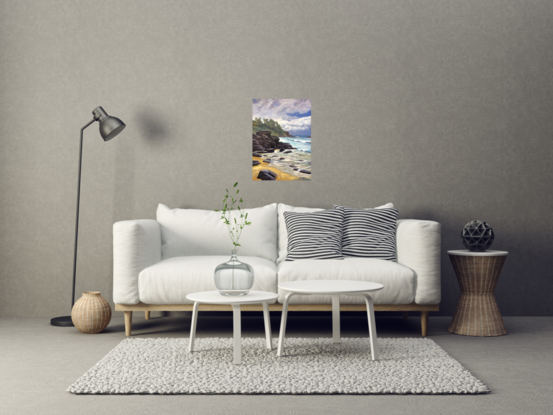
<point x="193" y="327"/>
<point x="237" y="329"/>
<point x="267" y="319"/>
<point x="283" y="323"/>
<point x="335" y="319"/>
<point x="372" y="325"/>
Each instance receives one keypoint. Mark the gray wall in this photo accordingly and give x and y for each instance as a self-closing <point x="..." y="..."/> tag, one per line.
<point x="442" y="107"/>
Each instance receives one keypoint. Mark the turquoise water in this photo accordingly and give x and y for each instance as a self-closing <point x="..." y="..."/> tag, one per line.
<point x="301" y="143"/>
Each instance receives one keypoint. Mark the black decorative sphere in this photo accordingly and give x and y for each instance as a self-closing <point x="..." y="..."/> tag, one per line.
<point x="477" y="236"/>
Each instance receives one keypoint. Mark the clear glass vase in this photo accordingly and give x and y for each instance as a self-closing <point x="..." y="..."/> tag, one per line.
<point x="234" y="277"/>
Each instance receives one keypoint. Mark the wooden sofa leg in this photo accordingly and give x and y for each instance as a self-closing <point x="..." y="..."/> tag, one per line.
<point x="128" y="323"/>
<point x="405" y="315"/>
<point x="424" y="322"/>
<point x="147" y="315"/>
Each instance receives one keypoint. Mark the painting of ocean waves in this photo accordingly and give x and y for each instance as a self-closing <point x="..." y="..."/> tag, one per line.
<point x="281" y="144"/>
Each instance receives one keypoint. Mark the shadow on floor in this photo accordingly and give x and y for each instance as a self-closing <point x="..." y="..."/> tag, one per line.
<point x="299" y="325"/>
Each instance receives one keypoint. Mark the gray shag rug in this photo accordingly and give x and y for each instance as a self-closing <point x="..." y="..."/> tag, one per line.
<point x="310" y="366"/>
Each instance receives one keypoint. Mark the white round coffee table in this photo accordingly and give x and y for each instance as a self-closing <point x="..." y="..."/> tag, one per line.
<point x="334" y="288"/>
<point x="213" y="297"/>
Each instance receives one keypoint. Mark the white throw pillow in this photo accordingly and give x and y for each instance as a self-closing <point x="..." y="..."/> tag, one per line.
<point x="283" y="234"/>
<point x="192" y="232"/>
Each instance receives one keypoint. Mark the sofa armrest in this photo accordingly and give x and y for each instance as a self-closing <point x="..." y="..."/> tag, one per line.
<point x="136" y="246"/>
<point x="418" y="247"/>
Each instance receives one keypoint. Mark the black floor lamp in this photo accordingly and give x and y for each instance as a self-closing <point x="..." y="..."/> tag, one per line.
<point x="109" y="128"/>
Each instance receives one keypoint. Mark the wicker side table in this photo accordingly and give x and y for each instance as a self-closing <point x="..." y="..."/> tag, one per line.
<point x="477" y="313"/>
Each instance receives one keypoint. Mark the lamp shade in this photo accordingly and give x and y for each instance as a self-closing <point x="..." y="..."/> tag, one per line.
<point x="110" y="127"/>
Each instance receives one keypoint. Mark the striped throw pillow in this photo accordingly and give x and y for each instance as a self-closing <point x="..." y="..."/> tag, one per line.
<point x="369" y="233"/>
<point x="314" y="235"/>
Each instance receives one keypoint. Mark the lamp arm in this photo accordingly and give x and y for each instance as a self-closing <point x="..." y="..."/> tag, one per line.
<point x="77" y="214"/>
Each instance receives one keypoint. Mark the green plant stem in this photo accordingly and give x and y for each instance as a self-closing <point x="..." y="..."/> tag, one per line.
<point x="235" y="231"/>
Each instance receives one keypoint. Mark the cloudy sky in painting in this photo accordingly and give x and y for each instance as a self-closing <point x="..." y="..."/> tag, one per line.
<point x="294" y="115"/>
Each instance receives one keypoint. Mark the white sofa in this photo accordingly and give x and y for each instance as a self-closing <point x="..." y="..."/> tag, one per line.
<point x="158" y="262"/>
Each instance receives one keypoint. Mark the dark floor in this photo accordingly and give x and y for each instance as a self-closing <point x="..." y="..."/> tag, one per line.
<point x="38" y="362"/>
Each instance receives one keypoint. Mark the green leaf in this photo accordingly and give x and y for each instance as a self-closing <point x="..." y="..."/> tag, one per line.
<point x="246" y="216"/>
<point x="237" y="190"/>
<point x="241" y="201"/>
<point x="235" y="184"/>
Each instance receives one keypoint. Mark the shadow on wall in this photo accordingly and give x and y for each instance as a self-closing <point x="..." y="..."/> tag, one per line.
<point x="423" y="214"/>
<point x="124" y="178"/>
<point x="150" y="126"/>
<point x="147" y="125"/>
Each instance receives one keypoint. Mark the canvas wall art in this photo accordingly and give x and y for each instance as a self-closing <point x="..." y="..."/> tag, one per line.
<point x="281" y="140"/>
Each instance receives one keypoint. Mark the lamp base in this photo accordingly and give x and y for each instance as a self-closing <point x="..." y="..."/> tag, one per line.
<point x="62" y="321"/>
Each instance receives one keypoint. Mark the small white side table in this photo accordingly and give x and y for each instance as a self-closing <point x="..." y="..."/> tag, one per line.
<point x="334" y="288"/>
<point x="213" y="297"/>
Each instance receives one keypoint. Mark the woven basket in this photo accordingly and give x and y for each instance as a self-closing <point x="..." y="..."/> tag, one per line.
<point x="91" y="313"/>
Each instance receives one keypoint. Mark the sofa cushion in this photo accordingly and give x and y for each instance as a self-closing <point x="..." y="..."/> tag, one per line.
<point x="283" y="233"/>
<point x="190" y="232"/>
<point x="171" y="280"/>
<point x="399" y="281"/>
<point x="369" y="233"/>
<point x="314" y="235"/>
